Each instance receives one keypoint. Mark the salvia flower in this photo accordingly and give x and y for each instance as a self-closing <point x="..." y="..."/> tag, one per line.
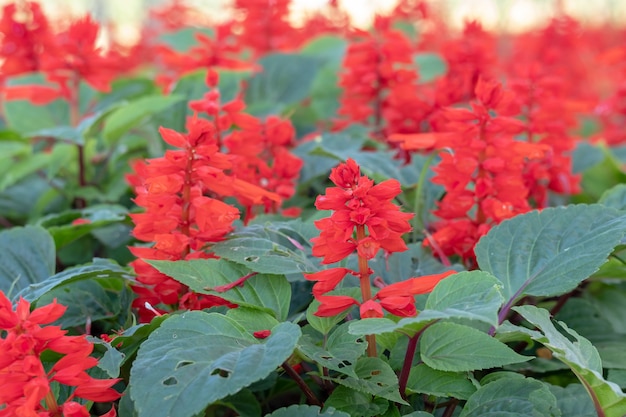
<point x="365" y="221"/>
<point x="26" y="385"/>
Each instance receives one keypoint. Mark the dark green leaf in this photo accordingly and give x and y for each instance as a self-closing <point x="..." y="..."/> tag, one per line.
<point x="27" y="257"/>
<point x="271" y="293"/>
<point x="573" y="401"/>
<point x="549" y="252"/>
<point x="426" y="380"/>
<point x="512" y="397"/>
<point x="356" y="403"/>
<point x="197" y="358"/>
<point x="99" y="268"/>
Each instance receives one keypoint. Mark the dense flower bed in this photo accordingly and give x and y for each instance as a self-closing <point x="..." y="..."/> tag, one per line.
<point x="252" y="217"/>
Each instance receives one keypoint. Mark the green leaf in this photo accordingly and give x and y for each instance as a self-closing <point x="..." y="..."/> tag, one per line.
<point x="340" y="354"/>
<point x="307" y="411"/>
<point x="426" y="380"/>
<point x="17" y="170"/>
<point x="243" y="402"/>
<point x="473" y="295"/>
<point x="573" y="401"/>
<point x="112" y="359"/>
<point x="286" y="79"/>
<point x="60" y="226"/>
<point x="272" y="248"/>
<point x="615" y="197"/>
<point x="99" y="268"/>
<point x="512" y="397"/>
<point x="202" y="358"/>
<point x="549" y="252"/>
<point x="580" y="355"/>
<point x="89" y="300"/>
<point x="356" y="403"/>
<point x="271" y="293"/>
<point x="375" y="377"/>
<point x="25" y="117"/>
<point x="126" y="117"/>
<point x="457" y="348"/>
<point x="430" y="66"/>
<point x="328" y="47"/>
<point x="585" y="156"/>
<point x="27" y="257"/>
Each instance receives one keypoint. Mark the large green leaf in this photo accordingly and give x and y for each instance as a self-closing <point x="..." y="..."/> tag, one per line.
<point x="472" y="295"/>
<point x="99" y="268"/>
<point x="198" y="358"/>
<point x="615" y="197"/>
<point x="582" y="358"/>
<point x="286" y="79"/>
<point x="573" y="401"/>
<point x="126" y="117"/>
<point x="271" y="293"/>
<point x="27" y="257"/>
<point x="375" y="377"/>
<point x="549" y="252"/>
<point x="512" y="397"/>
<point x="456" y="348"/>
<point x="307" y="411"/>
<point x="426" y="380"/>
<point x="16" y="170"/>
<point x="270" y="248"/>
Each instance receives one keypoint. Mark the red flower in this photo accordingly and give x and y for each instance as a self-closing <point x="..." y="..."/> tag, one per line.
<point x="24" y="383"/>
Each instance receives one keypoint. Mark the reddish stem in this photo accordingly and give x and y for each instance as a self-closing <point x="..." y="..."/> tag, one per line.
<point x="366" y="289"/>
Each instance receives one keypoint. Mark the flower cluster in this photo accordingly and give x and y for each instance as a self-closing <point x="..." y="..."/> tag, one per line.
<point x="27" y="385"/>
<point x="181" y="215"/>
<point x="365" y="221"/>
<point x="379" y="85"/>
<point x="258" y="149"/>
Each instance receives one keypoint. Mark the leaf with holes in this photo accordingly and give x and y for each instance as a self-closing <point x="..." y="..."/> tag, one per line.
<point x="271" y="293"/>
<point x="512" y="397"/>
<point x="549" y="252"/>
<point x="340" y="353"/>
<point x="196" y="359"/>
<point x="456" y="348"/>
<point x="27" y="257"/>
<point x="375" y="377"/>
<point x="581" y="356"/>
<point x="272" y="248"/>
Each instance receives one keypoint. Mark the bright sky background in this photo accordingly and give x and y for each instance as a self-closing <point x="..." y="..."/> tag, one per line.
<point x="512" y="15"/>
